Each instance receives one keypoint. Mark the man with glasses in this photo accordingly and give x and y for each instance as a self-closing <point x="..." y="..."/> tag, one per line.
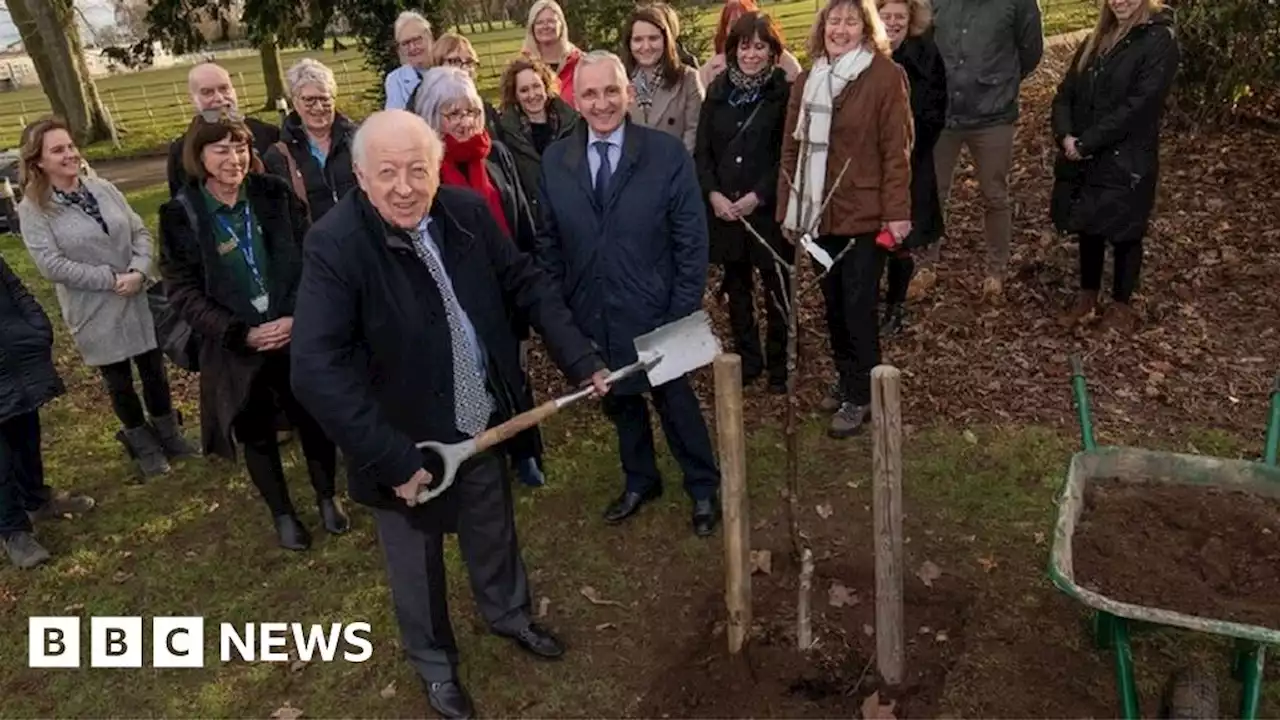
<point x="211" y="91"/>
<point x="413" y="43"/>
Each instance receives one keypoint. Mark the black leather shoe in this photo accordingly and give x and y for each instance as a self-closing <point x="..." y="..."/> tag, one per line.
<point x="450" y="699"/>
<point x="332" y="516"/>
<point x="537" y="640"/>
<point x="706" y="514"/>
<point x="292" y="534"/>
<point x="628" y="504"/>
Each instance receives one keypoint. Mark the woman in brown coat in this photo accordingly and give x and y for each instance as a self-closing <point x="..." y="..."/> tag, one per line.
<point x="857" y="149"/>
<point x="231" y="251"/>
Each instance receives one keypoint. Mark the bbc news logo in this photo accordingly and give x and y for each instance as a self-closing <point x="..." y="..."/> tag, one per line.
<point x="178" y="642"/>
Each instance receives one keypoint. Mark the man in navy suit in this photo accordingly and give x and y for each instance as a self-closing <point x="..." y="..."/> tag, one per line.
<point x="624" y="231"/>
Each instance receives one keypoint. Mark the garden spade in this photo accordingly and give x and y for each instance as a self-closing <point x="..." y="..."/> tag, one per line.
<point x="664" y="354"/>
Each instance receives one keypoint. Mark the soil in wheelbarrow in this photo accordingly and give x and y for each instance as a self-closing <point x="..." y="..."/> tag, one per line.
<point x="1202" y="551"/>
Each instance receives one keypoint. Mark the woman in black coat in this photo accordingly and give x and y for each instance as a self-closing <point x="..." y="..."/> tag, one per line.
<point x="231" y="252"/>
<point x="28" y="381"/>
<point x="1106" y="122"/>
<point x="314" y="150"/>
<point x="737" y="152"/>
<point x="909" y="26"/>
<point x="449" y="102"/>
<point x="533" y="117"/>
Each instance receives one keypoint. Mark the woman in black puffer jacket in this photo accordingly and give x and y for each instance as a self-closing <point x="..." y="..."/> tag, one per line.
<point x="28" y="381"/>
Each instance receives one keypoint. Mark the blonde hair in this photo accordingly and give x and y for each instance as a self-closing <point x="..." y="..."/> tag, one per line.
<point x="873" y="33"/>
<point x="449" y="42"/>
<point x="32" y="180"/>
<point x="1108" y="24"/>
<point x="530" y="46"/>
<point x="920" y="12"/>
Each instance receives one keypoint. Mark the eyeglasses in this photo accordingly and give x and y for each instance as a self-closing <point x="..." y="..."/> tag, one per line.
<point x="225" y="114"/>
<point x="456" y="115"/>
<point x="466" y="63"/>
<point x="316" y="101"/>
<point x="416" y="40"/>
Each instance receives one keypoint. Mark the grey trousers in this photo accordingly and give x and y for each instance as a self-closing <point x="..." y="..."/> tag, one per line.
<point x="413" y="551"/>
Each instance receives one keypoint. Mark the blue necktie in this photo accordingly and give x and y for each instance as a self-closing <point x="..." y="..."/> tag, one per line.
<point x="603" y="173"/>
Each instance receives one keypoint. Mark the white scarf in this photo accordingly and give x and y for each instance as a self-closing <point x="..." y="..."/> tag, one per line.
<point x="825" y="83"/>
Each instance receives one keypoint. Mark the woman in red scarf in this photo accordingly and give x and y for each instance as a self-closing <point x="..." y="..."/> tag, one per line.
<point x="448" y="101"/>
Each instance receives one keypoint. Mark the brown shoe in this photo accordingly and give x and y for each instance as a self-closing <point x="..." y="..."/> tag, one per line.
<point x="61" y="505"/>
<point x="1120" y="317"/>
<point x="1086" y="303"/>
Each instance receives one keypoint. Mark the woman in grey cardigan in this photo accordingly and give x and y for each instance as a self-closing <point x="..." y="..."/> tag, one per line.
<point x="84" y="237"/>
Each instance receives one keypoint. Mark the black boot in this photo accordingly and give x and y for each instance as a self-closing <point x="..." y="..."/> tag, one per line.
<point x="292" y="533"/>
<point x="894" y="319"/>
<point x="333" y="517"/>
<point x="145" y="449"/>
<point x="169" y="432"/>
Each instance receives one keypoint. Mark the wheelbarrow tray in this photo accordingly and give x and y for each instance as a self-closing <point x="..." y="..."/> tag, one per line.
<point x="1137" y="466"/>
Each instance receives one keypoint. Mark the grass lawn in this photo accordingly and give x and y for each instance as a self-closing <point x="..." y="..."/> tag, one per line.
<point x="153" y="105"/>
<point x="979" y="504"/>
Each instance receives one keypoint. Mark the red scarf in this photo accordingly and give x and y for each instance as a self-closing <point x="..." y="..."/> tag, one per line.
<point x="472" y="154"/>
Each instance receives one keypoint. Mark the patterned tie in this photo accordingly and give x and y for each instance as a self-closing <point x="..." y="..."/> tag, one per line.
<point x="471" y="401"/>
<point x="603" y="173"/>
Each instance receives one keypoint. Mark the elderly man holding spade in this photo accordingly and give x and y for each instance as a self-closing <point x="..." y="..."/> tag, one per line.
<point x="401" y="337"/>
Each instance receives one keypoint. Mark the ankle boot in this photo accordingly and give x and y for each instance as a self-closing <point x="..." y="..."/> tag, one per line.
<point x="144" y="447"/>
<point x="291" y="533"/>
<point x="892" y="323"/>
<point x="169" y="431"/>
<point x="332" y="516"/>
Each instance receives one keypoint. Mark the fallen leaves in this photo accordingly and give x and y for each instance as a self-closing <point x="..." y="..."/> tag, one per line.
<point x="840" y="596"/>
<point x="873" y="710"/>
<point x="544" y="603"/>
<point x="286" y="712"/>
<point x="761" y="562"/>
<point x="928" y="572"/>
<point x="388" y="692"/>
<point x="824" y="510"/>
<point x="988" y="563"/>
<point x="593" y="596"/>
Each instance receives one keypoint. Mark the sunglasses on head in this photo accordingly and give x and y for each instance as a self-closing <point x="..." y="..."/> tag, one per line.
<point x="221" y="115"/>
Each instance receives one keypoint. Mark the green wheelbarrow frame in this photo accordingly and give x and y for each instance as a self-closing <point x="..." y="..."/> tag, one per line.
<point x="1111" y="620"/>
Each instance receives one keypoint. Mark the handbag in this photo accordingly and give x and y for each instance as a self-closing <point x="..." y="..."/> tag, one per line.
<point x="175" y="336"/>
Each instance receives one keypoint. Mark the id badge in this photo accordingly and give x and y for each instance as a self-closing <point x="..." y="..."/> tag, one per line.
<point x="260" y="303"/>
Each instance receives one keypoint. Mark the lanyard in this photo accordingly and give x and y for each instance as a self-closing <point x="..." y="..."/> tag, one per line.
<point x="245" y="245"/>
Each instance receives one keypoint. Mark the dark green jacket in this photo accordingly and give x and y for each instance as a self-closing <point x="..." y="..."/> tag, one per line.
<point x="989" y="47"/>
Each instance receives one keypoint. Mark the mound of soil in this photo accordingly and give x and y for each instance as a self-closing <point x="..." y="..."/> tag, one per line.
<point x="772" y="678"/>
<point x="1203" y="551"/>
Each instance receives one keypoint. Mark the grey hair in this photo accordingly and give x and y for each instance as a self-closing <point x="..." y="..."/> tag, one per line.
<point x="595" y="57"/>
<point x="407" y="18"/>
<point x="309" y="71"/>
<point x="435" y="146"/>
<point x="443" y="86"/>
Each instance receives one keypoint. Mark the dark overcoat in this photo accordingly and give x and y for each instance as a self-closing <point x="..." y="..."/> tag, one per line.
<point x="518" y="139"/>
<point x="927" y="78"/>
<point x="1114" y="108"/>
<point x="204" y="294"/>
<point x="325" y="185"/>
<point x="636" y="262"/>
<point x="737" y="151"/>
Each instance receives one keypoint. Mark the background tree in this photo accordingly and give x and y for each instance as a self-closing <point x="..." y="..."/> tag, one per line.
<point x="597" y="25"/>
<point x="372" y="22"/>
<point x="51" y="37"/>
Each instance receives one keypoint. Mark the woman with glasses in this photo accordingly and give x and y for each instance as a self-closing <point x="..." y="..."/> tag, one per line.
<point x="85" y="238"/>
<point x="668" y="94"/>
<point x="314" y="153"/>
<point x="413" y="45"/>
<point x="231" y="251"/>
<point x="455" y="51"/>
<point x="546" y="38"/>
<point x="448" y="101"/>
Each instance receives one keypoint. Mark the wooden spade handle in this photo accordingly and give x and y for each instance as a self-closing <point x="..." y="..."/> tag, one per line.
<point x="515" y="426"/>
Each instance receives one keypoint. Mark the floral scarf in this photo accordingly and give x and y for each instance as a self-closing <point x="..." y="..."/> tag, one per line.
<point x="646" y="84"/>
<point x="746" y="88"/>
<point x="83" y="199"/>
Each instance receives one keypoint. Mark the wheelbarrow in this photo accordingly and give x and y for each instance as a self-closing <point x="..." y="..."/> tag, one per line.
<point x="1191" y="691"/>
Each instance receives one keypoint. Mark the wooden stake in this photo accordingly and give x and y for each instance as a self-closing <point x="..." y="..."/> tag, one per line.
<point x="804" y="620"/>
<point x="886" y="423"/>
<point x="733" y="482"/>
